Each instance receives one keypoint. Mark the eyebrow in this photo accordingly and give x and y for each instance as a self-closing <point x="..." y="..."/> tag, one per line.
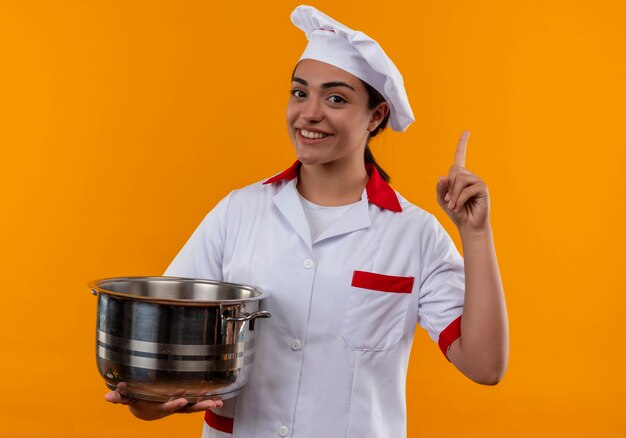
<point x="325" y="84"/>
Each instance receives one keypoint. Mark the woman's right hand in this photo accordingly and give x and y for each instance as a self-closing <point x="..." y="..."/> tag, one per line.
<point x="148" y="410"/>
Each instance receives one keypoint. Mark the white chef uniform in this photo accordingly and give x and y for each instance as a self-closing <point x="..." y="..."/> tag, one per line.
<point x="332" y="360"/>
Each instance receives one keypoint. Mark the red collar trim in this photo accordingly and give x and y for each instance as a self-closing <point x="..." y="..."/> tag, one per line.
<point x="378" y="191"/>
<point x="288" y="174"/>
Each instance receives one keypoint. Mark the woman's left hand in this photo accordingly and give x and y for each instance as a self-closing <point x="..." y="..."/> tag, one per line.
<point x="463" y="195"/>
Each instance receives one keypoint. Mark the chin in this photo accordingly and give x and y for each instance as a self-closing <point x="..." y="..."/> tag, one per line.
<point x="305" y="157"/>
<point x="308" y="160"/>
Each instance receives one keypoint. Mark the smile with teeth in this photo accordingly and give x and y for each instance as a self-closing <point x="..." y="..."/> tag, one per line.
<point x="311" y="134"/>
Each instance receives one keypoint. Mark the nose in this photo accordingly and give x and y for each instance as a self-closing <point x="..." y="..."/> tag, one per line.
<point x="312" y="110"/>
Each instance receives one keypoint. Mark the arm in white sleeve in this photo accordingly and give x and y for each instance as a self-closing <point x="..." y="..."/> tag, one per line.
<point x="442" y="287"/>
<point x="202" y="255"/>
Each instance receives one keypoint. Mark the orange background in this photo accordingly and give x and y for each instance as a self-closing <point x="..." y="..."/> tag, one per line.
<point x="124" y="122"/>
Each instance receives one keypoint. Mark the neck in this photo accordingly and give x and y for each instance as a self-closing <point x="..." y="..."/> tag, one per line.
<point x="333" y="184"/>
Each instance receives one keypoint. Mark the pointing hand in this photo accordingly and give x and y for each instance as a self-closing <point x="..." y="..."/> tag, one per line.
<point x="463" y="195"/>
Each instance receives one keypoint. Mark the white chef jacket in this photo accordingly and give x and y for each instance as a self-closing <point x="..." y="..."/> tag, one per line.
<point x="332" y="359"/>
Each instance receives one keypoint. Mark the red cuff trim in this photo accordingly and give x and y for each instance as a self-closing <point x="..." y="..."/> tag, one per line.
<point x="383" y="283"/>
<point x="449" y="335"/>
<point x="217" y="422"/>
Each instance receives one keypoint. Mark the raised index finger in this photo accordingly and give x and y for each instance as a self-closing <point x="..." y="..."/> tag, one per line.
<point x="461" y="147"/>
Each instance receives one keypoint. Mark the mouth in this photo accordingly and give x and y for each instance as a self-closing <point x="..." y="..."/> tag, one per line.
<point x="313" y="134"/>
<point x="311" y="137"/>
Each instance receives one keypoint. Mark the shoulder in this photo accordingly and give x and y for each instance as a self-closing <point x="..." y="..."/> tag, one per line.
<point x="255" y="194"/>
<point x="422" y="229"/>
<point x="415" y="223"/>
<point x="257" y="189"/>
<point x="413" y="213"/>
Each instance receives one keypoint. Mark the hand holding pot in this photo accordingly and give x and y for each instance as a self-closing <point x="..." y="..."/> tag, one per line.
<point x="148" y="410"/>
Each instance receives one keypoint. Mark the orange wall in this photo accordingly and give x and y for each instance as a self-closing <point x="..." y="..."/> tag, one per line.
<point x="123" y="122"/>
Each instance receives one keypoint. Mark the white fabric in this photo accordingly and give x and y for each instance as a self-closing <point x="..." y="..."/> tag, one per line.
<point x="355" y="52"/>
<point x="348" y="378"/>
<point x="209" y="432"/>
<point x="321" y="217"/>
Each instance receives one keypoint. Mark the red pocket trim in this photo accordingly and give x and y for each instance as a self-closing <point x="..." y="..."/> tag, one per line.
<point x="382" y="283"/>
<point x="217" y="422"/>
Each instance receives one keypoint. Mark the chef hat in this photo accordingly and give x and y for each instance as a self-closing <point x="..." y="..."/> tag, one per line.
<point x="353" y="51"/>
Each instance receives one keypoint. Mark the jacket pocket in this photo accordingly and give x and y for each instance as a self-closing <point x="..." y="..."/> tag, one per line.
<point x="376" y="310"/>
<point x="382" y="283"/>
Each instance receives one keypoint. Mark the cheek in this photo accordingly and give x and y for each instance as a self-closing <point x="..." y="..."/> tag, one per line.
<point x="356" y="125"/>
<point x="289" y="120"/>
<point x="291" y="112"/>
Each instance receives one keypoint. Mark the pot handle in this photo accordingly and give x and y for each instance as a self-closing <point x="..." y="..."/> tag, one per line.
<point x="249" y="317"/>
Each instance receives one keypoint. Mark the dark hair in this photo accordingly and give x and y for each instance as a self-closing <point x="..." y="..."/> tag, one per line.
<point x="375" y="98"/>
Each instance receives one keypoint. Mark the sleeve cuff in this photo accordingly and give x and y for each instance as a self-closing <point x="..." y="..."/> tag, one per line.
<point x="218" y="422"/>
<point x="449" y="335"/>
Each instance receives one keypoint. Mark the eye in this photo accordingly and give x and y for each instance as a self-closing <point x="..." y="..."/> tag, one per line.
<point x="298" y="93"/>
<point x="335" y="98"/>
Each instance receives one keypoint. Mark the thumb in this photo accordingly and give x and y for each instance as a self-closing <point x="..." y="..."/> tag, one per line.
<point x="442" y="186"/>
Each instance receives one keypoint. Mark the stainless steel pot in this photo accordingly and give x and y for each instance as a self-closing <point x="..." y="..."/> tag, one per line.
<point x="170" y="336"/>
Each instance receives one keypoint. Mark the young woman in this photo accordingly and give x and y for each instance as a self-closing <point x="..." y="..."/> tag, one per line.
<point x="351" y="265"/>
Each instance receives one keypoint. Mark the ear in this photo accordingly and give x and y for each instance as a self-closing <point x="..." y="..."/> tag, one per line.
<point x="377" y="115"/>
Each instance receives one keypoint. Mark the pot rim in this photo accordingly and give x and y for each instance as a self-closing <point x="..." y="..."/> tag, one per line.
<point x="96" y="289"/>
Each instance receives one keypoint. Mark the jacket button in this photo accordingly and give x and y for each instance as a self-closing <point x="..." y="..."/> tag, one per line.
<point x="283" y="431"/>
<point x="295" y="345"/>
<point x="308" y="263"/>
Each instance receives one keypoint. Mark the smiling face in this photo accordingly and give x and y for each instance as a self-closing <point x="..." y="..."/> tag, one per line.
<point x="327" y="116"/>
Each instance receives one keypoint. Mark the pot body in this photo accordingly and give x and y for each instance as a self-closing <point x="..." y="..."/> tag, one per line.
<point x="166" y="337"/>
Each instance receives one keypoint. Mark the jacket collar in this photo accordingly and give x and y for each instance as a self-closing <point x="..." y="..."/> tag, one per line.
<point x="378" y="191"/>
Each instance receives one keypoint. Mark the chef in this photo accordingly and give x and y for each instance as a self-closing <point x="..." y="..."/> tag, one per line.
<point x="352" y="267"/>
